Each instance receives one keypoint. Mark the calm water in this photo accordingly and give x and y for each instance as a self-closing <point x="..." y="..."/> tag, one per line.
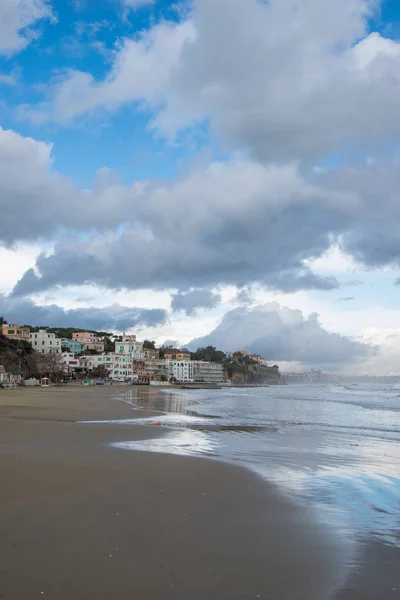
<point x="335" y="448"/>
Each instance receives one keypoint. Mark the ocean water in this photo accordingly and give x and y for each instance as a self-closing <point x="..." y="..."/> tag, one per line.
<point x="335" y="448"/>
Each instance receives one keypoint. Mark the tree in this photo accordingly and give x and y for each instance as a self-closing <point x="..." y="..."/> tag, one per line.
<point x="210" y="353"/>
<point x="48" y="365"/>
<point x="109" y="346"/>
<point x="147" y="345"/>
<point x="100" y="372"/>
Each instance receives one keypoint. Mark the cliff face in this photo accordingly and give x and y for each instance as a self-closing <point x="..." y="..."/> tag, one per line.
<point x="251" y="374"/>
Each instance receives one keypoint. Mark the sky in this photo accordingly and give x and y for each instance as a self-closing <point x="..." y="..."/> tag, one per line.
<point x="219" y="172"/>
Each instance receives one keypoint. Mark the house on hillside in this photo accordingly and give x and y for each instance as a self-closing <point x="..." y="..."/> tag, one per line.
<point x="259" y="359"/>
<point x="16" y="332"/>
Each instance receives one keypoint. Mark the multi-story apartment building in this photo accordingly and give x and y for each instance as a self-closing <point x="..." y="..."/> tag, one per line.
<point x="207" y="372"/>
<point x="89" y="340"/>
<point x="44" y="342"/>
<point x="72" y="345"/>
<point x="152" y="369"/>
<point x="129" y="346"/>
<point x="118" y="366"/>
<point x="86" y="337"/>
<point x="179" y="370"/>
<point x="16" y="332"/>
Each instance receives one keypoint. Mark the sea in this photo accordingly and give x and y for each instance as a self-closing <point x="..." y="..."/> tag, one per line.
<point x="332" y="448"/>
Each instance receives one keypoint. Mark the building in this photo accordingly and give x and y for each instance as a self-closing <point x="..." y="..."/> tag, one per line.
<point x="10" y="378"/>
<point x="150" y="353"/>
<point x="86" y="337"/>
<point x="152" y="369"/>
<point x="72" y="345"/>
<point x="44" y="342"/>
<point x="119" y="367"/>
<point x="70" y="362"/>
<point x="97" y="346"/>
<point x="174" y="354"/>
<point x="259" y="359"/>
<point x="89" y="340"/>
<point x="16" y="332"/>
<point x="179" y="370"/>
<point x="207" y="372"/>
<point x="129" y="346"/>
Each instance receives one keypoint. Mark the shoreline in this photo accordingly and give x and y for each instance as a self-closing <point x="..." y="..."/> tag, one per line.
<point x="83" y="518"/>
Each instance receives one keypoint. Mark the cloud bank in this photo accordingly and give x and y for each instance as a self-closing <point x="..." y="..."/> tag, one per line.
<point x="111" y="318"/>
<point x="281" y="334"/>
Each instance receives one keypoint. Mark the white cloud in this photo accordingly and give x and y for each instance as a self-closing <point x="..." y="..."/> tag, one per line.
<point x="282" y="334"/>
<point x="141" y="70"/>
<point x="17" y="19"/>
<point x="284" y="80"/>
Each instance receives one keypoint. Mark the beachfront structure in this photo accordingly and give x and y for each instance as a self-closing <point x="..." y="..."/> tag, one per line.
<point x="44" y="342"/>
<point x="16" y="332"/>
<point x="152" y="369"/>
<point x="10" y="378"/>
<point x="179" y="370"/>
<point x="72" y="345"/>
<point x="118" y="366"/>
<point x="207" y="372"/>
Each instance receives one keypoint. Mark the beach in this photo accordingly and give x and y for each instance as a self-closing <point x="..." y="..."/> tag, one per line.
<point x="83" y="519"/>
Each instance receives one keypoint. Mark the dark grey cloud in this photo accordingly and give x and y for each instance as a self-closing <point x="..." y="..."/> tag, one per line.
<point x="282" y="334"/>
<point x="190" y="301"/>
<point x="110" y="318"/>
<point x="244" y="296"/>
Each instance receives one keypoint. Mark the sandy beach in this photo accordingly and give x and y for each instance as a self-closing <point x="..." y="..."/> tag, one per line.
<point x="84" y="520"/>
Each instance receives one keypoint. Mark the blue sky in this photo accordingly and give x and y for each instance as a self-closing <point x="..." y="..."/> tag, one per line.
<point x="261" y="138"/>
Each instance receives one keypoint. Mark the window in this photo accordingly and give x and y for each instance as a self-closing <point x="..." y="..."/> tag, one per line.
<point x="11" y="331"/>
<point x="18" y="331"/>
<point x="51" y="342"/>
<point x="35" y="335"/>
<point x="43" y="343"/>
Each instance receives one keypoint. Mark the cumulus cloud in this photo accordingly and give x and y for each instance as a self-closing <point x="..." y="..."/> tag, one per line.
<point x="192" y="300"/>
<point x="245" y="223"/>
<point x="283" y="79"/>
<point x="17" y="21"/>
<point x="141" y="71"/>
<point x="110" y="318"/>
<point x="282" y="334"/>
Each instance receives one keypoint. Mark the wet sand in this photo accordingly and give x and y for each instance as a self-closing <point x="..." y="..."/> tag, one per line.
<point x="80" y="519"/>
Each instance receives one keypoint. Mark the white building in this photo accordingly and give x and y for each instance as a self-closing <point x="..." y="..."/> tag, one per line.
<point x="180" y="370"/>
<point x="129" y="346"/>
<point x="207" y="372"/>
<point x="44" y="342"/>
<point x="70" y="362"/>
<point x="119" y="366"/>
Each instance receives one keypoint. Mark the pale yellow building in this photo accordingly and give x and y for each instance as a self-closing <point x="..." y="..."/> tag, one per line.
<point x="16" y="332"/>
